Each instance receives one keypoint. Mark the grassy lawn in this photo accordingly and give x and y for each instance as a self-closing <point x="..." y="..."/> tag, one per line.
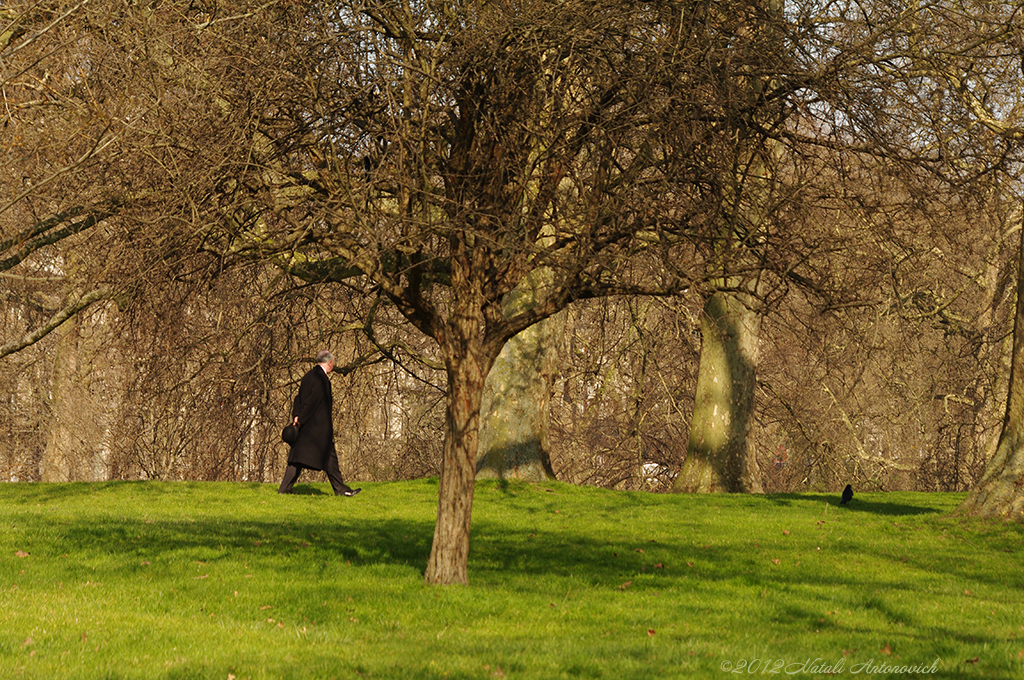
<point x="218" y="580"/>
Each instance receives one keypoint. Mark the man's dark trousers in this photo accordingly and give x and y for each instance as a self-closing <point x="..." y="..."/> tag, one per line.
<point x="292" y="472"/>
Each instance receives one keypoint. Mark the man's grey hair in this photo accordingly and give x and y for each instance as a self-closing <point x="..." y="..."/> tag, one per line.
<point x="324" y="357"/>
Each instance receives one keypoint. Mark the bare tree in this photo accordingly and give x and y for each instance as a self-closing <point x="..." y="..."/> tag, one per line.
<point x="470" y="145"/>
<point x="939" y="89"/>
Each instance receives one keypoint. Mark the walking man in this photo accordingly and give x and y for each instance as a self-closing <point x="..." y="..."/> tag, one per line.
<point x="311" y="413"/>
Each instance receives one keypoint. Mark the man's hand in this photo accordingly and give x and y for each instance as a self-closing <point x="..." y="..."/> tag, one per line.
<point x="295" y="422"/>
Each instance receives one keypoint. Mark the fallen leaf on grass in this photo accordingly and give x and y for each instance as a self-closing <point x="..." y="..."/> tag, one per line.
<point x="659" y="565"/>
<point x="198" y="578"/>
<point x="974" y="660"/>
<point x="266" y="607"/>
<point x="28" y="641"/>
<point x="776" y="560"/>
<point x="785" y="532"/>
<point x="887" y="650"/>
<point x="650" y="632"/>
<point x="21" y="554"/>
<point x="625" y="585"/>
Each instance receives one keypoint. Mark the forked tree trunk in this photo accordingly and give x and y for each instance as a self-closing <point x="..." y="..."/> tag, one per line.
<point x="1000" y="493"/>
<point x="717" y="458"/>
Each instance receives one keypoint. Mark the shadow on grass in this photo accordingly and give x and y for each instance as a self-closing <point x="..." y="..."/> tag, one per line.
<point x="860" y="504"/>
<point x="281" y="543"/>
<point x="306" y="490"/>
<point x="495" y="547"/>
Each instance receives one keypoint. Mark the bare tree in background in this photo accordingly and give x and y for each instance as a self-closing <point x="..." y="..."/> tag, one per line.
<point x="939" y="89"/>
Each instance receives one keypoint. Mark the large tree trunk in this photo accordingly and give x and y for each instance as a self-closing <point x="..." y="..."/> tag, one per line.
<point x="1001" y="489"/>
<point x="717" y="458"/>
<point x="514" y="441"/>
<point x="514" y="426"/>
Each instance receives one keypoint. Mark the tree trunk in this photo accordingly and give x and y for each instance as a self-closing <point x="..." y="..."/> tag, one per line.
<point x="514" y="426"/>
<point x="449" y="553"/>
<point x="514" y="440"/>
<point x="82" y="406"/>
<point x="467" y="360"/>
<point x="717" y="458"/>
<point x="1001" y="489"/>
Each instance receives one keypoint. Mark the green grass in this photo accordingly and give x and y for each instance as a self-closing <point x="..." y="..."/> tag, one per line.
<point x="204" y="580"/>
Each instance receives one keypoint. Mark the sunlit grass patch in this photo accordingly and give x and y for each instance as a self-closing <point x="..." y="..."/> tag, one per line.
<point x="197" y="580"/>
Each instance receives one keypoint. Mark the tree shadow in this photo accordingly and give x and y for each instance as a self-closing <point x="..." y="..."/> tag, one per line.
<point x="358" y="542"/>
<point x="871" y="503"/>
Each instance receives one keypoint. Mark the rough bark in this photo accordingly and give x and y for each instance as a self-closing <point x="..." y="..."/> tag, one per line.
<point x="468" y="359"/>
<point x="449" y="552"/>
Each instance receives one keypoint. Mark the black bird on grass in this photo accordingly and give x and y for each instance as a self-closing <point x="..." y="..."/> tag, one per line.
<point x="847" y="495"/>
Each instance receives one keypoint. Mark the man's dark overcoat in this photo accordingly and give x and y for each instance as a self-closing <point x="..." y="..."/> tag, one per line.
<point x="313" y="405"/>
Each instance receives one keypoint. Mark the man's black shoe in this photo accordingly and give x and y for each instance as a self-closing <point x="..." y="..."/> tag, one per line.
<point x="351" y="492"/>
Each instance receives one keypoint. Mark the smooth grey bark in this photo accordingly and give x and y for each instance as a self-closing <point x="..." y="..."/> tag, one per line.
<point x="717" y="457"/>
<point x="1000" y="492"/>
<point x="515" y="409"/>
<point x="514" y="428"/>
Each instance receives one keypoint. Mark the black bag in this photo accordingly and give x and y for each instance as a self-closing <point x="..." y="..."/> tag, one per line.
<point x="290" y="434"/>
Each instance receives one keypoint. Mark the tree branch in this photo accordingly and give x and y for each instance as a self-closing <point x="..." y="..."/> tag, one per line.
<point x="56" y="320"/>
